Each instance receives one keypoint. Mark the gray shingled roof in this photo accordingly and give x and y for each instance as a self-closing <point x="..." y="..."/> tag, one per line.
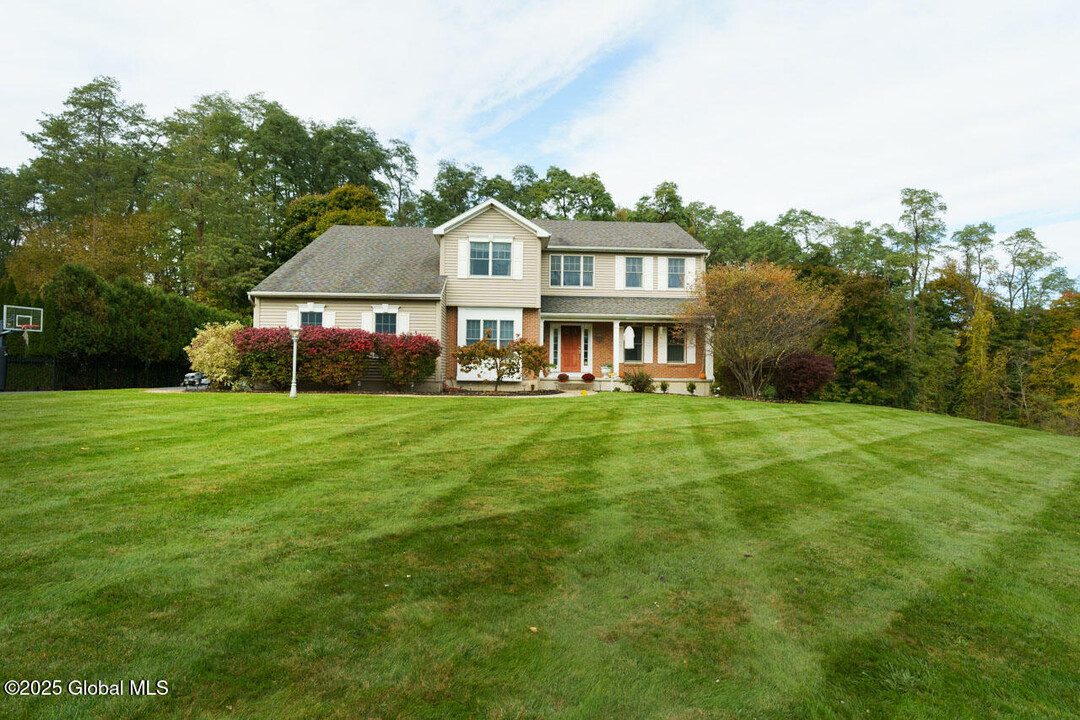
<point x="603" y="234"/>
<point x="362" y="260"/>
<point x="582" y="305"/>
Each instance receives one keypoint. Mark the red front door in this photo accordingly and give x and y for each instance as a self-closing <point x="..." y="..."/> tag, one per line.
<point x="570" y="357"/>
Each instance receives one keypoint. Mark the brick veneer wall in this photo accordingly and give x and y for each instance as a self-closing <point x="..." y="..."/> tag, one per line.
<point x="530" y="330"/>
<point x="603" y="351"/>
<point x="451" y="343"/>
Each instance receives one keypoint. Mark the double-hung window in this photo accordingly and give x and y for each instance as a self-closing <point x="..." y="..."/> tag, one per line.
<point x="571" y="271"/>
<point x="676" y="273"/>
<point x="497" y="332"/>
<point x="676" y="345"/>
<point x="635" y="270"/>
<point x="634" y="354"/>
<point x="386" y="323"/>
<point x="311" y="318"/>
<point x="490" y="258"/>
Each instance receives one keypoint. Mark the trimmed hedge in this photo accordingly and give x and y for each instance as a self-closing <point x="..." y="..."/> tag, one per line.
<point x="405" y="360"/>
<point x="121" y="320"/>
<point x="336" y="357"/>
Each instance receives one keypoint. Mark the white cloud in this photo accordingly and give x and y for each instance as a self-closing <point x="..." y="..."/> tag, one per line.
<point x="835" y="107"/>
<point x="444" y="74"/>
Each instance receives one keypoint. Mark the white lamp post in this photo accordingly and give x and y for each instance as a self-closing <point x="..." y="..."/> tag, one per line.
<point x="295" y="333"/>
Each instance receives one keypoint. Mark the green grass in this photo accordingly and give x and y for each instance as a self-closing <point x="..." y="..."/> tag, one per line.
<point x="349" y="556"/>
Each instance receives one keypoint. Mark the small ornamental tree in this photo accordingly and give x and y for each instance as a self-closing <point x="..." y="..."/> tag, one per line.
<point x="534" y="358"/>
<point x="405" y="360"/>
<point x="755" y="315"/>
<point x="800" y="376"/>
<point x="265" y="355"/>
<point x="213" y="353"/>
<point x="334" y="356"/>
<point x="502" y="362"/>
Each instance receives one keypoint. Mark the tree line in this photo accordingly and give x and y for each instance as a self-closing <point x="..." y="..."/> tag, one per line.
<point x="206" y="202"/>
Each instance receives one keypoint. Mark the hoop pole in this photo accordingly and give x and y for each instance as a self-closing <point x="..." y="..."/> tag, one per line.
<point x="3" y="360"/>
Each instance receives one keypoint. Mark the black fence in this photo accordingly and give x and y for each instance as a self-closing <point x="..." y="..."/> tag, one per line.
<point x="47" y="373"/>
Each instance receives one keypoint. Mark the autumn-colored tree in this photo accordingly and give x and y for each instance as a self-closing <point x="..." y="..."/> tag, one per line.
<point x="983" y="372"/>
<point x="755" y="315"/>
<point x="113" y="246"/>
<point x="534" y="358"/>
<point x="502" y="361"/>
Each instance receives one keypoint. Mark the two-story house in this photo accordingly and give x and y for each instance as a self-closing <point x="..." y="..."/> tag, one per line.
<point x="575" y="286"/>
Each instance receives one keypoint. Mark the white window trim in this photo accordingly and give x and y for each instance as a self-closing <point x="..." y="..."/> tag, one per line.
<point x="493" y="238"/>
<point x="667" y="275"/>
<point x="581" y="272"/>
<point x="310" y="307"/>
<point x="626" y="274"/>
<point x="484" y="313"/>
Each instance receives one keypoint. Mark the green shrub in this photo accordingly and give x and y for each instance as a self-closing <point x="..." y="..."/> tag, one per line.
<point x="691" y="387"/>
<point x="639" y="381"/>
<point x="213" y="353"/>
<point x="664" y="386"/>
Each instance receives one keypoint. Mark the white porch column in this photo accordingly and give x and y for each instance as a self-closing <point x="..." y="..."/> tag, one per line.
<point x="708" y="356"/>
<point x="540" y="339"/>
<point x="616" y="348"/>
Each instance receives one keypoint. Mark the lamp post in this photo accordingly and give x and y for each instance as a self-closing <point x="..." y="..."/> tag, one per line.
<point x="295" y="333"/>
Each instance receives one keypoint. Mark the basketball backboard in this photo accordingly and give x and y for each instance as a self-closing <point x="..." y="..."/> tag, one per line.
<point x="22" y="319"/>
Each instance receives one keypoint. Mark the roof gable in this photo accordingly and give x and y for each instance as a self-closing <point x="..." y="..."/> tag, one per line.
<point x="480" y="209"/>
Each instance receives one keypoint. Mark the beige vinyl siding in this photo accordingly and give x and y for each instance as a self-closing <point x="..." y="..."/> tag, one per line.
<point x="604" y="277"/>
<point x="424" y="316"/>
<point x="486" y="291"/>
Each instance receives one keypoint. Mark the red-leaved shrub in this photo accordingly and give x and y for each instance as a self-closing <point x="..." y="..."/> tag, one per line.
<point x="563" y="377"/>
<point x="588" y="377"/>
<point x="800" y="376"/>
<point x="265" y="355"/>
<point x="405" y="360"/>
<point x="332" y="356"/>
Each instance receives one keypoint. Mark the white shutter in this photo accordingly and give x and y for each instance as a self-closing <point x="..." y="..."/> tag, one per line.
<point x="517" y="260"/>
<point x="661" y="274"/>
<point x="691" y="346"/>
<point x="292" y="318"/>
<point x="328" y="318"/>
<point x="646" y="345"/>
<point x="402" y="323"/>
<point x="620" y="272"/>
<point x="661" y="344"/>
<point x="691" y="273"/>
<point x="646" y="273"/>
<point x="367" y="321"/>
<point x="463" y="258"/>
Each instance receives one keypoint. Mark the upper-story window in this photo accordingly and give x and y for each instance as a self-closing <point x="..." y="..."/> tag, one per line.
<point x="571" y="271"/>
<point x="490" y="258"/>
<point x="311" y="319"/>
<point x="676" y="273"/>
<point x="635" y="271"/>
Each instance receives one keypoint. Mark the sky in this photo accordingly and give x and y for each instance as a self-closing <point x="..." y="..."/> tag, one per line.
<point x="754" y="107"/>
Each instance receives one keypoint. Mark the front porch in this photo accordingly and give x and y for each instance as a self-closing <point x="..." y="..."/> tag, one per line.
<point x="602" y="347"/>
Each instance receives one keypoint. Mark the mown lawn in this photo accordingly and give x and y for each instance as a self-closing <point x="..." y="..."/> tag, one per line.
<point x="376" y="557"/>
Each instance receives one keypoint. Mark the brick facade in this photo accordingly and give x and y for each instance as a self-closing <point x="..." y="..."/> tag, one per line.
<point x="451" y="342"/>
<point x="603" y="345"/>
<point x="530" y="321"/>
